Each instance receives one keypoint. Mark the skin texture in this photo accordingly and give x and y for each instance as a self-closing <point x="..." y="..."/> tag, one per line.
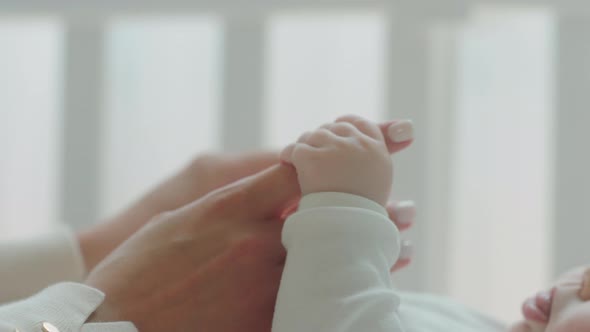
<point x="347" y="156"/>
<point x="201" y="176"/>
<point x="212" y="265"/>
<point x="562" y="308"/>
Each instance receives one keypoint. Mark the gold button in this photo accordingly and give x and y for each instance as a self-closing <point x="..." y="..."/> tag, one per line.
<point x="48" y="327"/>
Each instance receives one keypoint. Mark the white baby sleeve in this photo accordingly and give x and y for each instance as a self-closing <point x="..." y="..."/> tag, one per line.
<point x="340" y="248"/>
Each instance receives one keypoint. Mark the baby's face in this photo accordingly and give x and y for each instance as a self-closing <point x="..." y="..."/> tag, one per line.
<point x="559" y="309"/>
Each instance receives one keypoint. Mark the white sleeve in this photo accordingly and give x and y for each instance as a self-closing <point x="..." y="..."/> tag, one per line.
<point x="29" y="266"/>
<point x="340" y="248"/>
<point x="66" y="306"/>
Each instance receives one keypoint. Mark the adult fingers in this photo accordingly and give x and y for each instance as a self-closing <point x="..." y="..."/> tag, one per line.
<point x="400" y="264"/>
<point x="405" y="256"/>
<point x="268" y="193"/>
<point x="290" y="210"/>
<point x="402" y="213"/>
<point x="250" y="162"/>
<point x="224" y="168"/>
<point x="259" y="197"/>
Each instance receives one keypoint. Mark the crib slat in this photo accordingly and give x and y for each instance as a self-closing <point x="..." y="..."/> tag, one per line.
<point x="243" y="82"/>
<point x="572" y="188"/>
<point x="407" y="96"/>
<point x="83" y="70"/>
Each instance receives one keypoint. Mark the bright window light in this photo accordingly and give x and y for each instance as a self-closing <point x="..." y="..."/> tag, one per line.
<point x="30" y="67"/>
<point x="322" y="66"/>
<point x="163" y="77"/>
<point x="501" y="203"/>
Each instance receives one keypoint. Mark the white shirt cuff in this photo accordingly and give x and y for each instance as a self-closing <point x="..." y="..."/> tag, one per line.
<point x="67" y="306"/>
<point x="30" y="265"/>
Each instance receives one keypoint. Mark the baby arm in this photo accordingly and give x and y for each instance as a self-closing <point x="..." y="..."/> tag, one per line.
<point x="340" y="243"/>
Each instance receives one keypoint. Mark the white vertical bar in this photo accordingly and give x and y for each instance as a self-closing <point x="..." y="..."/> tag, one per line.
<point x="502" y="194"/>
<point x="572" y="187"/>
<point x="407" y="97"/>
<point x="321" y="66"/>
<point x="439" y="150"/>
<point x="161" y="101"/>
<point x="30" y="69"/>
<point x="243" y="82"/>
<point x="81" y="130"/>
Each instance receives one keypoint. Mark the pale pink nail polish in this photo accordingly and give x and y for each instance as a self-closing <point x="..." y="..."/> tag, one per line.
<point x="405" y="212"/>
<point x="401" y="131"/>
<point x="407" y="250"/>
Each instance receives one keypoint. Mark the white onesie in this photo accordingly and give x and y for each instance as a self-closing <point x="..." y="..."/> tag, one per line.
<point x="340" y="248"/>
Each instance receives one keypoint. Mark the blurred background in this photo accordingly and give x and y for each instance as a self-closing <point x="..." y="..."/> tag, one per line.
<point x="101" y="100"/>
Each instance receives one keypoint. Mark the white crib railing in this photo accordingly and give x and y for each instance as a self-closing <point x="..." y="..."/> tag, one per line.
<point x="420" y="84"/>
<point x="407" y="78"/>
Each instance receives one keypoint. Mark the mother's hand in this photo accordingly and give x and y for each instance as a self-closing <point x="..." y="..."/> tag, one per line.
<point x="214" y="265"/>
<point x="202" y="175"/>
<point x="403" y="215"/>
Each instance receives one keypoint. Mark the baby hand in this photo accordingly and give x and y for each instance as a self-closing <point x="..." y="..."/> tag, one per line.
<point x="349" y="155"/>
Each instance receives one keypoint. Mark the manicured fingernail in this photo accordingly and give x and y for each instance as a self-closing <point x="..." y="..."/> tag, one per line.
<point x="407" y="250"/>
<point x="401" y="131"/>
<point x="405" y="212"/>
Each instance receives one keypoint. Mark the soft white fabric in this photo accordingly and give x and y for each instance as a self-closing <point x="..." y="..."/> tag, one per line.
<point x="340" y="248"/>
<point x="336" y="278"/>
<point x="429" y="313"/>
<point x="26" y="267"/>
<point x="30" y="265"/>
<point x="65" y="305"/>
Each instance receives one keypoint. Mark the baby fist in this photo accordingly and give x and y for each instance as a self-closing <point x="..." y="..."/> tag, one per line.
<point x="347" y="156"/>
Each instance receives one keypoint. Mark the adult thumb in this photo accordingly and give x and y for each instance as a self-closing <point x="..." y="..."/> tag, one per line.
<point x="266" y="194"/>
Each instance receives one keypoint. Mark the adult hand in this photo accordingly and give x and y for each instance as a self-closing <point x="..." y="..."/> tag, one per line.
<point x="403" y="215"/>
<point x="202" y="175"/>
<point x="399" y="135"/>
<point x="211" y="171"/>
<point x="213" y="265"/>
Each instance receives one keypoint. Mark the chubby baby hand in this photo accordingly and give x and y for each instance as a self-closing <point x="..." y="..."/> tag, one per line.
<point x="349" y="156"/>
